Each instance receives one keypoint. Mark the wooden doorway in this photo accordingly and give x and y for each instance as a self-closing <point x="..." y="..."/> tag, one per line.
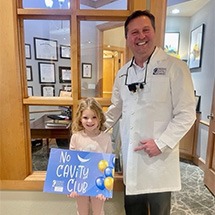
<point x="209" y="178"/>
<point x="111" y="54"/>
<point x="113" y="59"/>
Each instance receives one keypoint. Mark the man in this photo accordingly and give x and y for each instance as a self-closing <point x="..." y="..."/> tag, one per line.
<point x="153" y="97"/>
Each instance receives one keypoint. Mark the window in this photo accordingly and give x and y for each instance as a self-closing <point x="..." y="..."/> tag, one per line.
<point x="21" y="87"/>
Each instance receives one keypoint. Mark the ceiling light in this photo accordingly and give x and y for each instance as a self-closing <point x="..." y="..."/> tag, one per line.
<point x="175" y="11"/>
<point x="49" y="3"/>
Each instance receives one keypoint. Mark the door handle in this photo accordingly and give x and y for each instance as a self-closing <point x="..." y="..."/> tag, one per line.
<point x="211" y="116"/>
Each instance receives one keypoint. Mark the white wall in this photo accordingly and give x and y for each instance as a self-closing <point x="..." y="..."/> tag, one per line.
<point x="203" y="78"/>
<point x="38" y="203"/>
<point x="181" y="25"/>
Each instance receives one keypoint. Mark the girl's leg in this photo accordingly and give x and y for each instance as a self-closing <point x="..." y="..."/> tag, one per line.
<point x="97" y="206"/>
<point x="83" y="205"/>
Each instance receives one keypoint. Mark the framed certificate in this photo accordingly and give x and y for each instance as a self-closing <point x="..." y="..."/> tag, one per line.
<point x="27" y="51"/>
<point x="65" y="74"/>
<point x="47" y="73"/>
<point x="65" y="52"/>
<point x="86" y="70"/>
<point x="48" y="90"/>
<point x="29" y="73"/>
<point x="45" y="49"/>
<point x="30" y="91"/>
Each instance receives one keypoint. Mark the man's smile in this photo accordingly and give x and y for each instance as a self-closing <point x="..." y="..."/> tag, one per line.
<point x="141" y="43"/>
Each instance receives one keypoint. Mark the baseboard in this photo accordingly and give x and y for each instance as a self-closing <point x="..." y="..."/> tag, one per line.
<point x="200" y="163"/>
<point x="194" y="159"/>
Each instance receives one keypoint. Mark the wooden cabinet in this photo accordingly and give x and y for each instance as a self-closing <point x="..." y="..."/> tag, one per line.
<point x="189" y="141"/>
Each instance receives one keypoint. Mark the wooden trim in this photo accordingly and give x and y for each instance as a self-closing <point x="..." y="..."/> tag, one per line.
<point x="158" y="9"/>
<point x="137" y="5"/>
<point x="106" y="15"/>
<point x="34" y="100"/>
<point x="54" y="14"/>
<point x="199" y="162"/>
<point x="202" y="122"/>
<point x="209" y="179"/>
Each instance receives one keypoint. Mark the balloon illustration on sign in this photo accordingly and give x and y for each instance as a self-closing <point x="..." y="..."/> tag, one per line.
<point x="105" y="181"/>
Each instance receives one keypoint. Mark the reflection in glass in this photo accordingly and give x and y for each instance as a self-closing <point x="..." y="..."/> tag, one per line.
<point x="50" y="128"/>
<point x="48" y="4"/>
<point x="44" y="40"/>
<point x="104" y="5"/>
<point x="95" y="36"/>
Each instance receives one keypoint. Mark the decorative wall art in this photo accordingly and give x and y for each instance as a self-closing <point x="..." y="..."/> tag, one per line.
<point x="171" y="43"/>
<point x="196" y="44"/>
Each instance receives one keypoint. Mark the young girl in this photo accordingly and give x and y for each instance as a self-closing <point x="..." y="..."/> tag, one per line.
<point x="88" y="135"/>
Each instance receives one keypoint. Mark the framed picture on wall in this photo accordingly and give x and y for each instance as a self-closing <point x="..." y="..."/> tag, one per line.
<point x="86" y="70"/>
<point x="30" y="91"/>
<point x="196" y="44"/>
<point x="65" y="52"/>
<point x="48" y="90"/>
<point x="198" y="101"/>
<point x="47" y="73"/>
<point x="171" y="43"/>
<point x="29" y="73"/>
<point x="27" y="51"/>
<point x="45" y="49"/>
<point x="63" y="93"/>
<point x="64" y="74"/>
<point x="67" y="88"/>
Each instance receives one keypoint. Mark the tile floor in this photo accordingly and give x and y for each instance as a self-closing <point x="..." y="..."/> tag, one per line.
<point x="193" y="199"/>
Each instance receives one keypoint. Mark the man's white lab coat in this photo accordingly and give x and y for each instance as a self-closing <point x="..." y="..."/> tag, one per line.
<point x="164" y="111"/>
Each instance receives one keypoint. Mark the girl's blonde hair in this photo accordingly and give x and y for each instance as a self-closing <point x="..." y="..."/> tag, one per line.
<point x="92" y="104"/>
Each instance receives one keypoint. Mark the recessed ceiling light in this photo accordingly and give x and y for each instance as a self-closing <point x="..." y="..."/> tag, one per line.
<point x="175" y="11"/>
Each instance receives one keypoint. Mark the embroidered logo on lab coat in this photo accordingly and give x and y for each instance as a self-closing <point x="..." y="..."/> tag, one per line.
<point x="159" y="71"/>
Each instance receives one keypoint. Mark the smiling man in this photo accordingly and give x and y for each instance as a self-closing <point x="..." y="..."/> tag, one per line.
<point x="153" y="97"/>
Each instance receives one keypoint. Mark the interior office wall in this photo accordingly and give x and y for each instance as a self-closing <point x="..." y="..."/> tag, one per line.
<point x="181" y="25"/>
<point x="203" y="77"/>
<point x="118" y="40"/>
<point x="37" y="203"/>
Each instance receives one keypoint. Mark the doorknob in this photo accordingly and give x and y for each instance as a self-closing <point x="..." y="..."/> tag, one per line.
<point x="211" y="116"/>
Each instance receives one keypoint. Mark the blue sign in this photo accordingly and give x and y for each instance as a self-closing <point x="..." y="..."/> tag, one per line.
<point x="87" y="173"/>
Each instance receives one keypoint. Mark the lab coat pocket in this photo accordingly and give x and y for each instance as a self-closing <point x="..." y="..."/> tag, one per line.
<point x="160" y="88"/>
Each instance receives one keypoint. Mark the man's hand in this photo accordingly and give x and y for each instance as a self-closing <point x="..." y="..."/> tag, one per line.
<point x="149" y="146"/>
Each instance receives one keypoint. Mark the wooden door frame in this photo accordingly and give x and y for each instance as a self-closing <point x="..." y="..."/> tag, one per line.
<point x="100" y="29"/>
<point x="209" y="177"/>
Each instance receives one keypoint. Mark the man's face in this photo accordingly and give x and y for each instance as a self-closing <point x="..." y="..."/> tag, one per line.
<point x="141" y="37"/>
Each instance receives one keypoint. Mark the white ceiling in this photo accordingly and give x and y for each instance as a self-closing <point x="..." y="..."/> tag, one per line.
<point x="187" y="7"/>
